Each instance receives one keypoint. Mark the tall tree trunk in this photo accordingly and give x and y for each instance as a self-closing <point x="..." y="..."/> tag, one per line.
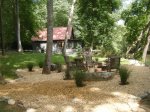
<point x="47" y="63"/>
<point x="20" y="49"/>
<point x="139" y="38"/>
<point x="146" y="47"/>
<point x="66" y="58"/>
<point x="1" y="28"/>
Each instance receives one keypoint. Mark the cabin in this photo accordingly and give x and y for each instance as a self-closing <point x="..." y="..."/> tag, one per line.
<point x="59" y="33"/>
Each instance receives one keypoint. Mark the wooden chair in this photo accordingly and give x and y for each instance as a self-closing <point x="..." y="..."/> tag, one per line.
<point x="113" y="62"/>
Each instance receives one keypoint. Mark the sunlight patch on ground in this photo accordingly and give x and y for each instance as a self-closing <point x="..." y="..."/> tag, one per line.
<point x="94" y="89"/>
<point x="104" y="108"/>
<point x="3" y="94"/>
<point x="68" y="109"/>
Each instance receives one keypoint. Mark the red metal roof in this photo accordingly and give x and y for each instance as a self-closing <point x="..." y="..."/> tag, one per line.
<point x="58" y="34"/>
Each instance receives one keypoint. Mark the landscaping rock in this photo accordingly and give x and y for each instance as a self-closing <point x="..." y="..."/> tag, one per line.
<point x="11" y="101"/>
<point x="106" y="75"/>
<point x="99" y="75"/>
<point x="144" y="95"/>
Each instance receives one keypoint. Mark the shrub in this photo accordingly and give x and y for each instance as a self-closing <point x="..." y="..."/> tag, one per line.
<point x="124" y="75"/>
<point x="30" y="66"/>
<point x="41" y="63"/>
<point x="79" y="77"/>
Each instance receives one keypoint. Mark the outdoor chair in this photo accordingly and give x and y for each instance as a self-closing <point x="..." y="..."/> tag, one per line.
<point x="113" y="62"/>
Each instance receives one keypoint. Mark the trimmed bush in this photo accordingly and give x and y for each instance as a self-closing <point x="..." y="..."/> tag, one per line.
<point x="124" y="75"/>
<point x="79" y="77"/>
<point x="30" y="66"/>
<point x="41" y="63"/>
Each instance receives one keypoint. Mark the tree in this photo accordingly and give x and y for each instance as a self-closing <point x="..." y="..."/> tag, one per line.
<point x="137" y="24"/>
<point x="1" y="28"/>
<point x="96" y="22"/>
<point x="146" y="47"/>
<point x="47" y="63"/>
<point x="66" y="58"/>
<point x="20" y="49"/>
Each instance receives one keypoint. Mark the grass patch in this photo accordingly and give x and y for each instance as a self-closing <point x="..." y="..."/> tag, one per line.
<point x="15" y="60"/>
<point x="20" y="60"/>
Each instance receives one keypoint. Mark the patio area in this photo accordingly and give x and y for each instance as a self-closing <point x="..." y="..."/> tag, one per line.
<point x="50" y="93"/>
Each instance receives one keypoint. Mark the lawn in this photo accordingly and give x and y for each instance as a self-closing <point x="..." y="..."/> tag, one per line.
<point x="19" y="60"/>
<point x="14" y="60"/>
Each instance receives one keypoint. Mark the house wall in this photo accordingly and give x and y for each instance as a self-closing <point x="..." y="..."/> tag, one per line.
<point x="57" y="46"/>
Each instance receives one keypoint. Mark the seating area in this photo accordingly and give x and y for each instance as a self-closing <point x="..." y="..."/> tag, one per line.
<point x="111" y="63"/>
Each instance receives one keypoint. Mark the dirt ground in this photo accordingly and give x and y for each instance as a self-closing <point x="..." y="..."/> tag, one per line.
<point x="50" y="93"/>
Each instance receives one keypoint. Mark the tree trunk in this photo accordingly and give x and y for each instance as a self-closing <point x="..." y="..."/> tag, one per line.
<point x="139" y="37"/>
<point x="20" y="49"/>
<point x="146" y="47"/>
<point x="47" y="63"/>
<point x="66" y="58"/>
<point x="1" y="28"/>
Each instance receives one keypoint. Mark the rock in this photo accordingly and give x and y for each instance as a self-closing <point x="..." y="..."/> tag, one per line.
<point x="31" y="110"/>
<point x="144" y="95"/>
<point x="99" y="75"/>
<point x="11" y="101"/>
<point x="106" y="75"/>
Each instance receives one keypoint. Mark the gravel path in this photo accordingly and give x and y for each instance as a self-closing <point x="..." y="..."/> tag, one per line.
<point x="50" y="93"/>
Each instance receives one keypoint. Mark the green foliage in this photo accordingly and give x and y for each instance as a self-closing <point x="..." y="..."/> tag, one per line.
<point x="124" y="74"/>
<point x="61" y="10"/>
<point x="94" y="22"/>
<point x="79" y="77"/>
<point x="136" y="19"/>
<point x="119" y="40"/>
<point x="41" y="63"/>
<point x="30" y="66"/>
<point x="19" y="60"/>
<point x="33" y="16"/>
